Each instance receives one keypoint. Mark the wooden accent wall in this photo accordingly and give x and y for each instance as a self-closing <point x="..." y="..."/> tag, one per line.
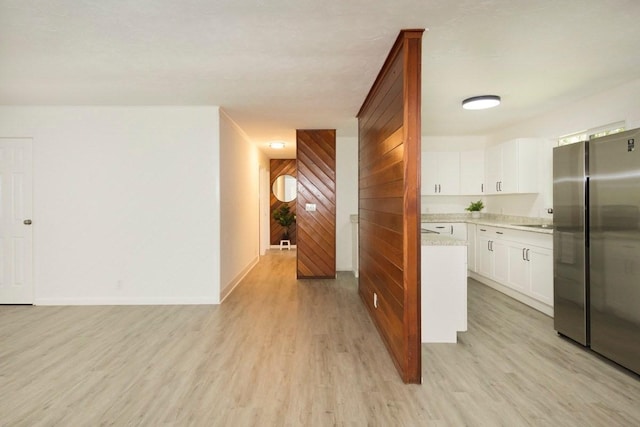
<point x="389" y="203"/>
<point x="280" y="167"/>
<point x="316" y="154"/>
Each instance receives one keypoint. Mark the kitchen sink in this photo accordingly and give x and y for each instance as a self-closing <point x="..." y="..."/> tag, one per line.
<point x="549" y="226"/>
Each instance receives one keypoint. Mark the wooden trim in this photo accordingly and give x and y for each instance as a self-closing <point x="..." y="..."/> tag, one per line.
<point x="395" y="49"/>
<point x="411" y="225"/>
<point x="389" y="204"/>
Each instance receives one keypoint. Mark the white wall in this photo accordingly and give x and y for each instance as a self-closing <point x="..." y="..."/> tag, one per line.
<point x="346" y="198"/>
<point x="240" y="203"/>
<point x="617" y="104"/>
<point x="453" y="143"/>
<point x="125" y="203"/>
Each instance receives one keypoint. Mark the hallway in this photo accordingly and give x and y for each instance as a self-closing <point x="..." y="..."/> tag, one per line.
<point x="282" y="352"/>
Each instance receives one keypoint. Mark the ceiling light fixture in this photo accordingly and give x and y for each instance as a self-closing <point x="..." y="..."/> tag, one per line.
<point x="277" y="145"/>
<point x="481" y="102"/>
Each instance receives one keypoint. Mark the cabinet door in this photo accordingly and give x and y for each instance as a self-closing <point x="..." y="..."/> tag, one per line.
<point x="449" y="173"/>
<point x="429" y="173"/>
<point x="518" y="268"/>
<point x="541" y="274"/>
<point x="493" y="169"/>
<point x="529" y="151"/>
<point x="471" y="247"/>
<point x="472" y="172"/>
<point x="501" y="261"/>
<point x="459" y="230"/>
<point x="509" y="178"/>
<point x="485" y="256"/>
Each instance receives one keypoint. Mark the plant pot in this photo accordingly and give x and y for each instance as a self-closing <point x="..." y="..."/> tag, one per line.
<point x="475" y="214"/>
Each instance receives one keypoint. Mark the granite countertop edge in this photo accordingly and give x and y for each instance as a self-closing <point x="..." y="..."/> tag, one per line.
<point x="429" y="239"/>
<point x="493" y="220"/>
<point x="490" y="220"/>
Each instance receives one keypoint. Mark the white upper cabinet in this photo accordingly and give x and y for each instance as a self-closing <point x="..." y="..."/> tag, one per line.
<point x="472" y="172"/>
<point x="493" y="169"/>
<point x="512" y="167"/>
<point x="440" y="173"/>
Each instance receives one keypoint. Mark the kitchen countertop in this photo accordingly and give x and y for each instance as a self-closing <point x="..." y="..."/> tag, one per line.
<point x="434" y="239"/>
<point x="492" y="220"/>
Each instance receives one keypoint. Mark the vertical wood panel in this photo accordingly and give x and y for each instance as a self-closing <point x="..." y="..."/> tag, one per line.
<point x="316" y="155"/>
<point x="389" y="203"/>
<point x="281" y="167"/>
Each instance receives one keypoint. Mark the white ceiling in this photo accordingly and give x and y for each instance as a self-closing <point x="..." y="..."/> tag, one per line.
<point x="278" y="65"/>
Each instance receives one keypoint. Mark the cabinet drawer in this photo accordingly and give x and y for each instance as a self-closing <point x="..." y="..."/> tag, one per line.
<point x="525" y="238"/>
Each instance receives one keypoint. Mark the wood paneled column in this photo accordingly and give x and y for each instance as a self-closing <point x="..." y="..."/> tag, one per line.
<point x="316" y="155"/>
<point x="389" y="203"/>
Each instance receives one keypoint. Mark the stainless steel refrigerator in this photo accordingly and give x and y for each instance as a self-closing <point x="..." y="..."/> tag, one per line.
<point x="597" y="245"/>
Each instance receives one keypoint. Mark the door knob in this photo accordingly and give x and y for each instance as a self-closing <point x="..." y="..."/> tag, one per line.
<point x="27" y="222"/>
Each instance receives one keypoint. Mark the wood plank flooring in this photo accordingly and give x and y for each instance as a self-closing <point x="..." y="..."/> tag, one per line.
<point x="285" y="352"/>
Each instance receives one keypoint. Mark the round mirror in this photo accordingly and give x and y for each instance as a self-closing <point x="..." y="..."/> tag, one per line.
<point x="284" y="188"/>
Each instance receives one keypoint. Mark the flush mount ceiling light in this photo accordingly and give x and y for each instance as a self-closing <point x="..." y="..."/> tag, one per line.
<point x="276" y="145"/>
<point x="481" y="102"/>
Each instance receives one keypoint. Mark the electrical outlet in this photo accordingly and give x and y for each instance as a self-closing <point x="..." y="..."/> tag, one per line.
<point x="375" y="300"/>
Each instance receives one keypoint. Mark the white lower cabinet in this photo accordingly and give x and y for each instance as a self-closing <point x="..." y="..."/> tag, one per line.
<point x="485" y="258"/>
<point x="457" y="230"/>
<point x="471" y="247"/>
<point x="531" y="271"/>
<point x="518" y="267"/>
<point x="519" y="260"/>
<point x="541" y="274"/>
<point x="501" y="253"/>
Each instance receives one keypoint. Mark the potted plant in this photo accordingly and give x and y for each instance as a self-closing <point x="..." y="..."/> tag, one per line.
<point x="285" y="218"/>
<point x="475" y="208"/>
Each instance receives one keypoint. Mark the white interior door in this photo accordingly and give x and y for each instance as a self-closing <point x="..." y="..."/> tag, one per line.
<point x="16" y="272"/>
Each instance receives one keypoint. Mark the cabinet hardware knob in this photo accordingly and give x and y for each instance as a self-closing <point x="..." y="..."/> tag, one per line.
<point x="27" y="222"/>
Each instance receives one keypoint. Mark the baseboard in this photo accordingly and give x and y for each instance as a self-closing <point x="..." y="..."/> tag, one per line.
<point x="224" y="293"/>
<point x="127" y="301"/>
<point x="525" y="299"/>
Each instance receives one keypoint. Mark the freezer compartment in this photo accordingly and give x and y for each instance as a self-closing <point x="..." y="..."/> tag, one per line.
<point x="570" y="291"/>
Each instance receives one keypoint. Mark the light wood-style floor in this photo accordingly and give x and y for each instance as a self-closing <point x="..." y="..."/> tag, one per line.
<point x="282" y="352"/>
